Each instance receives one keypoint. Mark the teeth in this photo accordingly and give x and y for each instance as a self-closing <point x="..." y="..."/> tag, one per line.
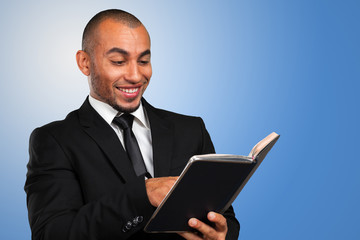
<point x="132" y="90"/>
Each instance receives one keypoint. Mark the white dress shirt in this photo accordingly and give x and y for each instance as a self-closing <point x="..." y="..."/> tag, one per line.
<point x="141" y="129"/>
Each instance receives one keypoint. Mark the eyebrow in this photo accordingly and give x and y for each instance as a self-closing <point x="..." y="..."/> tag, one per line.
<point x="126" y="53"/>
<point x="144" y="53"/>
<point x="117" y="50"/>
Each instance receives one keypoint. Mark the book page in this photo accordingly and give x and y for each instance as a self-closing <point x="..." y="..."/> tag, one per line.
<point x="262" y="144"/>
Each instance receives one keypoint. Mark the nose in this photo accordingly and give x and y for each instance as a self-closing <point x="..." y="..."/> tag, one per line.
<point x="133" y="74"/>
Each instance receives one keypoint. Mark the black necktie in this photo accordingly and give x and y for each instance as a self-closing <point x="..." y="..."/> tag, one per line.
<point x="125" y="122"/>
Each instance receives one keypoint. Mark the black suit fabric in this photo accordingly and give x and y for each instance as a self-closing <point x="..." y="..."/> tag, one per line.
<point x="81" y="184"/>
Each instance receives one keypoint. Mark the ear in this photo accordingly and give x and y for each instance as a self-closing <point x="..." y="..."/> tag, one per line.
<point x="83" y="62"/>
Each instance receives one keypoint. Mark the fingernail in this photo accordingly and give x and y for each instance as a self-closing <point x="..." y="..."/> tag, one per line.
<point x="211" y="215"/>
<point x="192" y="222"/>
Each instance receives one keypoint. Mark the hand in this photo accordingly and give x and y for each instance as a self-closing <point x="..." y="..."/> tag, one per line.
<point x="157" y="188"/>
<point x="217" y="233"/>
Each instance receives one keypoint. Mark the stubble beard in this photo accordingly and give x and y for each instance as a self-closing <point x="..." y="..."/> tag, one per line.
<point x="110" y="97"/>
<point x="122" y="109"/>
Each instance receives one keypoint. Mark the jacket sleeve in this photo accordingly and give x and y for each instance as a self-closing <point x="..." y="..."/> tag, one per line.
<point x="56" y="205"/>
<point x="232" y="222"/>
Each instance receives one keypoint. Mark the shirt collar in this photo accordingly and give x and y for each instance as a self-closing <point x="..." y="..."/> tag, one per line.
<point x="108" y="113"/>
<point x="140" y="116"/>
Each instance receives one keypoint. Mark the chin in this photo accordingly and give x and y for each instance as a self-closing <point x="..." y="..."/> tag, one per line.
<point x="126" y="109"/>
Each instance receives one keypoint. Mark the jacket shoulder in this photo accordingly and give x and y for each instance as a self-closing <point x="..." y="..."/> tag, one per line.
<point x="70" y="121"/>
<point x="169" y="115"/>
<point x="68" y="128"/>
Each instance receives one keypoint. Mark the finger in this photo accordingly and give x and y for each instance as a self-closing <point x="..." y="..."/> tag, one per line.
<point x="157" y="188"/>
<point x="219" y="220"/>
<point x="172" y="179"/>
<point x="205" y="229"/>
<point x="190" y="236"/>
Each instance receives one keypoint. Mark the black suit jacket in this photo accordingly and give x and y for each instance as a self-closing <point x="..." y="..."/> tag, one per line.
<point x="81" y="185"/>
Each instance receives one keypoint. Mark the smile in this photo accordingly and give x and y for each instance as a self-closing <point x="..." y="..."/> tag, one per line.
<point x="129" y="90"/>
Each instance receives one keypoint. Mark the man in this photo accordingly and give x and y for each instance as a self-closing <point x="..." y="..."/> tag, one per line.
<point x="82" y="182"/>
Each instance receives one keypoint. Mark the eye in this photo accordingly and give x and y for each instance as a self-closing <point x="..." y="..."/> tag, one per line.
<point x="143" y="62"/>
<point x="119" y="63"/>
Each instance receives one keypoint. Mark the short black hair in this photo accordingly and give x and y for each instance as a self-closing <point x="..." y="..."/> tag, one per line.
<point x="115" y="14"/>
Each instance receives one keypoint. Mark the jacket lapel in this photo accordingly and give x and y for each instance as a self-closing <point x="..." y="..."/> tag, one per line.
<point x="100" y="131"/>
<point x="162" y="141"/>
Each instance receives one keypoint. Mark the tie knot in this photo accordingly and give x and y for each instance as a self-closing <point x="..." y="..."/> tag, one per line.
<point x="125" y="121"/>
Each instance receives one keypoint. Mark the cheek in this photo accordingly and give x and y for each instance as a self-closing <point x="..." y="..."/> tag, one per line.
<point x="111" y="74"/>
<point x="148" y="73"/>
<point x="110" y="78"/>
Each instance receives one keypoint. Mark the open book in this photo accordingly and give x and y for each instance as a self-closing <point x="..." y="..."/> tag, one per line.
<point x="261" y="146"/>
<point x="209" y="182"/>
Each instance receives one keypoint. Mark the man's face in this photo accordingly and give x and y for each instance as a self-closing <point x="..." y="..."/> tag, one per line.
<point x="120" y="67"/>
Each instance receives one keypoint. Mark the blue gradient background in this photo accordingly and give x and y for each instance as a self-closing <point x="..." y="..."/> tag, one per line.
<point x="259" y="66"/>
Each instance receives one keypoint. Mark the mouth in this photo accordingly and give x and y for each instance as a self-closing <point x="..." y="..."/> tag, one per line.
<point x="129" y="90"/>
<point x="129" y="93"/>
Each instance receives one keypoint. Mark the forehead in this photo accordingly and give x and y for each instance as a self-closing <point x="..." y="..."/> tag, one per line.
<point x="110" y="34"/>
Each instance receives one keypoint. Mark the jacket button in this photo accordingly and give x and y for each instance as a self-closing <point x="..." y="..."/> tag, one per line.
<point x="128" y="225"/>
<point x="139" y="219"/>
<point x="135" y="222"/>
